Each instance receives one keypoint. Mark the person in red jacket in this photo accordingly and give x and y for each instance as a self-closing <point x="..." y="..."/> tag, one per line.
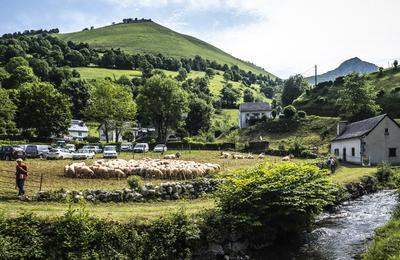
<point x="21" y="175"/>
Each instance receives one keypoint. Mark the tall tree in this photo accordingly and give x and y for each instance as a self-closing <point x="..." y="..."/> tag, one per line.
<point x="163" y="102"/>
<point x="7" y="113"/>
<point x="248" y="96"/>
<point x="293" y="88"/>
<point x="79" y="92"/>
<point x="199" y="116"/>
<point x="111" y="105"/>
<point x="229" y="96"/>
<point x="357" y="98"/>
<point x="43" y="108"/>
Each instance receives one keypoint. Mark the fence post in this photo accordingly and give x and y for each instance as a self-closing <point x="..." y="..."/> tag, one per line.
<point x="41" y="181"/>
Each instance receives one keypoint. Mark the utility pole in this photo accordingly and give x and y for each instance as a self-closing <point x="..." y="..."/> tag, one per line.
<point x="316" y="75"/>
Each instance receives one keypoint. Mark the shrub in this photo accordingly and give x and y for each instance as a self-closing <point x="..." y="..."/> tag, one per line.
<point x="134" y="181"/>
<point x="20" y="238"/>
<point x="301" y="114"/>
<point x="289" y="111"/>
<point x="286" y="195"/>
<point x="384" y="171"/>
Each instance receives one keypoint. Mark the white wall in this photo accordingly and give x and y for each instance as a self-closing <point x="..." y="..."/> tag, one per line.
<point x="243" y="115"/>
<point x="348" y="144"/>
<point x="378" y="144"/>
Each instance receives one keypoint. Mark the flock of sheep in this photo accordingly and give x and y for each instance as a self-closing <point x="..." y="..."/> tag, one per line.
<point x="226" y="155"/>
<point x="146" y="168"/>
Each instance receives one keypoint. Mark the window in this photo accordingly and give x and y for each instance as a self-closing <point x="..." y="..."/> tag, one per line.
<point x="80" y="133"/>
<point x="337" y="152"/>
<point x="392" y="152"/>
<point x="386" y="131"/>
<point x="353" y="151"/>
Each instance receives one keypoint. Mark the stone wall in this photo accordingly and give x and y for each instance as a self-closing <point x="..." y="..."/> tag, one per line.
<point x="165" y="191"/>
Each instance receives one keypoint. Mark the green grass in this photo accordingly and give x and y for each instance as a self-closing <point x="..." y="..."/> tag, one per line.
<point x="101" y="73"/>
<point x="116" y="211"/>
<point x="149" y="37"/>
<point x="351" y="173"/>
<point x="311" y="131"/>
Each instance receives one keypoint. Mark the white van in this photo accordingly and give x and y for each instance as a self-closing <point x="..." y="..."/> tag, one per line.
<point x="141" y="148"/>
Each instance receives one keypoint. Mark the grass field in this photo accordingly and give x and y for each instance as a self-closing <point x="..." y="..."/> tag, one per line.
<point x="150" y="37"/>
<point x="53" y="179"/>
<point x="115" y="211"/>
<point x="101" y="73"/>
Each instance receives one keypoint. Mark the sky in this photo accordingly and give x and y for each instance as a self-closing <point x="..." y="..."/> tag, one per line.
<point x="285" y="37"/>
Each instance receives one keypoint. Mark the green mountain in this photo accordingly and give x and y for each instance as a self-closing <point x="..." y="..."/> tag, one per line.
<point x="150" y="37"/>
<point x="321" y="100"/>
<point x="347" y="67"/>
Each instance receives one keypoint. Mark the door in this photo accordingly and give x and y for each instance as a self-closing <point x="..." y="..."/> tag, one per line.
<point x="344" y="154"/>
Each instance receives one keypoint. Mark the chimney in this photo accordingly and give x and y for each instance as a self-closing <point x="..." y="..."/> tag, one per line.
<point x="341" y="126"/>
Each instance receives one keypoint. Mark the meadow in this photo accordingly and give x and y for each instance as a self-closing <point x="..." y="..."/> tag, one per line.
<point x="53" y="179"/>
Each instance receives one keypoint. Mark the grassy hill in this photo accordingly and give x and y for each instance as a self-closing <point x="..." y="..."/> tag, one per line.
<point x="150" y="37"/>
<point x="312" y="131"/>
<point x="216" y="83"/>
<point x="321" y="100"/>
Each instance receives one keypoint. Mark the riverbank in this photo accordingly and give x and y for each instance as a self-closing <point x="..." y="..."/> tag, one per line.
<point x="386" y="241"/>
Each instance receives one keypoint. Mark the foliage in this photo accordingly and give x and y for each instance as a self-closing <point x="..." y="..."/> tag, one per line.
<point x="293" y="88"/>
<point x="14" y="63"/>
<point x="162" y="102"/>
<point x="384" y="171"/>
<point x="301" y="114"/>
<point x="111" y="105"/>
<point x="285" y="195"/>
<point x="79" y="92"/>
<point x="229" y="96"/>
<point x="357" y="88"/>
<point x="20" y="238"/>
<point x="134" y="182"/>
<point x="274" y="113"/>
<point x="199" y="116"/>
<point x="7" y="113"/>
<point x="42" y="107"/>
<point x="248" y="96"/>
<point x="289" y="111"/>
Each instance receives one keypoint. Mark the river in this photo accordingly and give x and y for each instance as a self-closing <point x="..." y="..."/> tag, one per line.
<point x="345" y="232"/>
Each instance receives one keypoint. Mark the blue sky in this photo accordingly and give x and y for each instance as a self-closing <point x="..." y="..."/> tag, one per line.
<point x="283" y="36"/>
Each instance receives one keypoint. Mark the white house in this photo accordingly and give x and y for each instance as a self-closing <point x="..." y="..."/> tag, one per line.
<point x="78" y="130"/>
<point x="252" y="111"/>
<point x="368" y="142"/>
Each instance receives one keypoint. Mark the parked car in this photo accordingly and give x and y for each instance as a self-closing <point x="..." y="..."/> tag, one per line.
<point x="11" y="153"/>
<point x="126" y="147"/>
<point x="160" y="148"/>
<point x="59" y="154"/>
<point x="37" y="151"/>
<point x="83" y="154"/>
<point x="110" y="151"/>
<point x="141" y="148"/>
<point x="94" y="148"/>
<point x="70" y="147"/>
<point x="173" y="138"/>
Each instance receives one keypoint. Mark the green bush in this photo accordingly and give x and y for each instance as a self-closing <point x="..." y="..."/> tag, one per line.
<point x="301" y="114"/>
<point x="286" y="195"/>
<point x="134" y="182"/>
<point x="20" y="238"/>
<point x="289" y="111"/>
<point x="384" y="171"/>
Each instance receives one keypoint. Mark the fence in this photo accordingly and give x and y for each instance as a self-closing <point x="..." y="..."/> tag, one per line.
<point x="33" y="184"/>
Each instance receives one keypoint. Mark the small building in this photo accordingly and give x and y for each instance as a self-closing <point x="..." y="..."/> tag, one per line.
<point x="368" y="142"/>
<point x="251" y="112"/>
<point x="78" y="130"/>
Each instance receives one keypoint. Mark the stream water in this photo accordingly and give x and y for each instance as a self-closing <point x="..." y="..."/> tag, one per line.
<point x="346" y="232"/>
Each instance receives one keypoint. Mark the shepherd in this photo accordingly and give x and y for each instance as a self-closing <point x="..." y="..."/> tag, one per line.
<point x="21" y="175"/>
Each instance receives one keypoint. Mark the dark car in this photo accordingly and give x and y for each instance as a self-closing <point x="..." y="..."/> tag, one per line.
<point x="11" y="153"/>
<point x="37" y="151"/>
